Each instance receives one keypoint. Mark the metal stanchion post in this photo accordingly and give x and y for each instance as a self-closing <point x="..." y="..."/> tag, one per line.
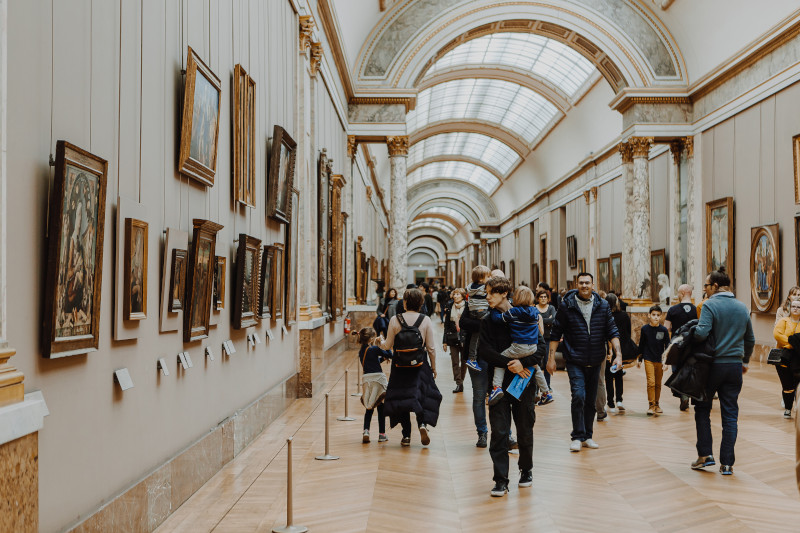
<point x="289" y="527"/>
<point x="345" y="418"/>
<point x="327" y="456"/>
<point x="358" y="383"/>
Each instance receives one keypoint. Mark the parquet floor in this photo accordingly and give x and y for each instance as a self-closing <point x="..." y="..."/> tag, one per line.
<point x="639" y="480"/>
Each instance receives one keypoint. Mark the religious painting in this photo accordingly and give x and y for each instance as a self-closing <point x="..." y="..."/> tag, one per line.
<point x="581" y="265"/>
<point x="572" y="251"/>
<point x="603" y="275"/>
<point x="219" y="283"/>
<point x="615" y="274"/>
<point x="278" y="281"/>
<point x="765" y="268"/>
<point x="178" y="280"/>
<point x="291" y="261"/>
<point x="200" y="280"/>
<point x="719" y="235"/>
<point x="135" y="290"/>
<point x="265" y="294"/>
<point x="246" y="288"/>
<point x="796" y="152"/>
<point x="658" y="267"/>
<point x="75" y="253"/>
<point x="554" y="274"/>
<point x="244" y="137"/>
<point x="281" y="175"/>
<point x="200" y="123"/>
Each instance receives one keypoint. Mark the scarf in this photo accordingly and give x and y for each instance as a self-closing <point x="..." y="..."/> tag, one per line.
<point x="455" y="314"/>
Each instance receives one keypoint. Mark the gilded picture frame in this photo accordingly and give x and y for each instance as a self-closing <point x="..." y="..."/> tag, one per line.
<point x="796" y="158"/>
<point x="603" y="282"/>
<point x="220" y="273"/>
<point x="720" y="228"/>
<point x="246" y="288"/>
<point x="534" y="275"/>
<point x="572" y="251"/>
<point x="553" y="274"/>
<point x="265" y="294"/>
<point x="76" y="226"/>
<point x="177" y="282"/>
<point x="581" y="265"/>
<point x="278" y="281"/>
<point x="281" y="175"/>
<point x="291" y="262"/>
<point x="615" y="274"/>
<point x="200" y="280"/>
<point x="765" y="268"/>
<point x="658" y="266"/>
<point x="135" y="270"/>
<point x="244" y="137"/>
<point x="797" y="248"/>
<point x="200" y="122"/>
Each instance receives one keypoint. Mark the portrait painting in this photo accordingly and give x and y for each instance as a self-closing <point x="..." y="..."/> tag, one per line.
<point x="265" y="294"/>
<point x="281" y="175"/>
<point x="244" y="137"/>
<point x="658" y="267"/>
<point x="200" y="123"/>
<point x="246" y="288"/>
<point x="278" y="281"/>
<point x="75" y="254"/>
<point x="135" y="290"/>
<point x="200" y="279"/>
<point x="719" y="235"/>
<point x="177" y="280"/>
<point x="615" y="273"/>
<point x="603" y="275"/>
<point x="219" y="283"/>
<point x="572" y="251"/>
<point x="581" y="265"/>
<point x="765" y="265"/>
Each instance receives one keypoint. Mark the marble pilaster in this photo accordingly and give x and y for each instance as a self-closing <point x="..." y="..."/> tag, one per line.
<point x="640" y="204"/>
<point x="484" y="259"/>
<point x="675" y="258"/>
<point x="592" y="255"/>
<point x="694" y="221"/>
<point x="350" y="270"/>
<point x="302" y="119"/>
<point x="628" y="275"/>
<point x="398" y="217"/>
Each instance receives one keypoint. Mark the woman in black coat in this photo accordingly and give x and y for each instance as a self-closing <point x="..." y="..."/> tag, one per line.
<point x="453" y="340"/>
<point x="614" y="379"/>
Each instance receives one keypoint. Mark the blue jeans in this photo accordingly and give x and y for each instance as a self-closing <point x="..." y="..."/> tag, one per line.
<point x="480" y="386"/>
<point x="724" y="379"/>
<point x="583" y="381"/>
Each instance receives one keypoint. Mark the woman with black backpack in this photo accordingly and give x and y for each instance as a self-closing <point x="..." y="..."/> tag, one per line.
<point x="453" y="338"/>
<point x="411" y="384"/>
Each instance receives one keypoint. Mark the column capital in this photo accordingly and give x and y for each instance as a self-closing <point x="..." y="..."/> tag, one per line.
<point x="676" y="149"/>
<point x="626" y="151"/>
<point x="688" y="143"/>
<point x="593" y="193"/>
<point x="398" y="146"/>
<point x="306" y="28"/>
<point x="369" y="192"/>
<point x="316" y="58"/>
<point x="640" y="146"/>
<point x="586" y="197"/>
<point x="352" y="145"/>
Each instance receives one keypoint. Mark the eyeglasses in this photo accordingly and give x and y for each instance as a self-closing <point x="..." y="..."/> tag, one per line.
<point x="707" y="285"/>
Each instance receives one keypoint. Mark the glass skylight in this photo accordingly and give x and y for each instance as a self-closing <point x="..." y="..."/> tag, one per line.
<point x="446" y="211"/>
<point x="494" y="153"/>
<point x="550" y="59"/>
<point x="443" y="225"/>
<point x="513" y="106"/>
<point x="459" y="170"/>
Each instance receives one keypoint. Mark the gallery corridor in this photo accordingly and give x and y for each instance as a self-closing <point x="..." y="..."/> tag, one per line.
<point x="639" y="480"/>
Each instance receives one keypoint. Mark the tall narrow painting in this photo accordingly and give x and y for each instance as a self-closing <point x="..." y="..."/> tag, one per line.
<point x="765" y="268"/>
<point x="281" y="175"/>
<point x="265" y="294"/>
<point x="246" y="288"/>
<point x="244" y="137"/>
<point x="719" y="235"/>
<point x="603" y="275"/>
<point x="324" y="230"/>
<point x="200" y="124"/>
<point x="200" y="280"/>
<point x="615" y="273"/>
<point x="278" y="281"/>
<point x="135" y="290"/>
<point x="71" y="321"/>
<point x="291" y="262"/>
<point x="658" y="267"/>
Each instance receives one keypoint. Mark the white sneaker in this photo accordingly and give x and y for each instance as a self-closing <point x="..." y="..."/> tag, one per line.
<point x="787" y="413"/>
<point x="620" y="407"/>
<point x="589" y="443"/>
<point x="575" y="446"/>
<point x="365" y="438"/>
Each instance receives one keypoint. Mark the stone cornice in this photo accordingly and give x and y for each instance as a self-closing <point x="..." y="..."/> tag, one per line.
<point x="398" y="146"/>
<point x="409" y="102"/>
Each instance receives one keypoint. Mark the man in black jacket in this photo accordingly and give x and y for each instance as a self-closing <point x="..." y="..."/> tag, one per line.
<point x="494" y="338"/>
<point x="585" y="322"/>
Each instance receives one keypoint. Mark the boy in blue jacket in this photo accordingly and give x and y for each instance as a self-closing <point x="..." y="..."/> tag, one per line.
<point x="524" y="322"/>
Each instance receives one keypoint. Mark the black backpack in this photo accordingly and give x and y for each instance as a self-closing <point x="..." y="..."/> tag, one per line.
<point x="409" y="348"/>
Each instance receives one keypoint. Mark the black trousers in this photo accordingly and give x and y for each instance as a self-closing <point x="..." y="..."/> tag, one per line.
<point x="524" y="415"/>
<point x="788" y="382"/>
<point x="613" y="384"/>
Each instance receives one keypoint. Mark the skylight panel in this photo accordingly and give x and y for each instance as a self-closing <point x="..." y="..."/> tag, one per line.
<point x="446" y="211"/>
<point x="491" y="151"/>
<point x="457" y="170"/>
<point x="437" y="223"/>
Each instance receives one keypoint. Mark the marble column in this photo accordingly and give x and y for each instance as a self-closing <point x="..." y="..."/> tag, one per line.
<point x="591" y="200"/>
<point x="484" y="259"/>
<point x="301" y="174"/>
<point x="314" y="60"/>
<point x="350" y="269"/>
<point x="398" y="216"/>
<point x="640" y="204"/>
<point x="674" y="256"/>
<point x="628" y="276"/>
<point x="694" y="222"/>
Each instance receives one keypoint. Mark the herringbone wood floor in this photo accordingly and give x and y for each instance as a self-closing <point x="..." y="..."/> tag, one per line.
<point x="639" y="480"/>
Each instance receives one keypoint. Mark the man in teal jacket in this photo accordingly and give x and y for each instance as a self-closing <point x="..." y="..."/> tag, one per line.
<point x="728" y="320"/>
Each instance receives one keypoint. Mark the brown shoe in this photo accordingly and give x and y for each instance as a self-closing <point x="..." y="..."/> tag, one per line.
<point x="651" y="411"/>
<point x="657" y="409"/>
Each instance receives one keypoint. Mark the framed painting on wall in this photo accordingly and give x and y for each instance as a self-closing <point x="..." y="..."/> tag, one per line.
<point x="244" y="137"/>
<point x="281" y="175"/>
<point x="76" y="227"/>
<point x="135" y="292"/>
<point x="796" y="153"/>
<point x="572" y="251"/>
<point x="177" y="280"/>
<point x="581" y="265"/>
<point x="615" y="273"/>
<point x="246" y="288"/>
<point x="719" y="235"/>
<point x="265" y="294"/>
<point x="200" y="280"/>
<point x="324" y="230"/>
<point x="200" y="123"/>
<point x="765" y="268"/>
<point x="603" y="275"/>
<point x="220" y="271"/>
<point x="658" y="267"/>
<point x="291" y="262"/>
<point x="278" y="281"/>
<point x="554" y="274"/>
<point x="534" y="275"/>
<point x="797" y="248"/>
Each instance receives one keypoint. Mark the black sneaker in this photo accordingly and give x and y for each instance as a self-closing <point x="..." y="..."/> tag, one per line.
<point x="704" y="461"/>
<point x="726" y="470"/>
<point x="525" y="478"/>
<point x="481" y="440"/>
<point x="512" y="444"/>
<point x="499" y="490"/>
<point x="459" y="388"/>
<point x="684" y="403"/>
<point x="405" y="441"/>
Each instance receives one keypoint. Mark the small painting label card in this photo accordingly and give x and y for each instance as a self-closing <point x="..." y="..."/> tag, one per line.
<point x="123" y="378"/>
<point x="162" y="365"/>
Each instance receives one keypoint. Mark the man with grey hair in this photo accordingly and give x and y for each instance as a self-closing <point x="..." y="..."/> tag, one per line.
<point x="678" y="315"/>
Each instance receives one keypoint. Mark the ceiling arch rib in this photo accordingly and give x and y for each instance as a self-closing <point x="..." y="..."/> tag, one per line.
<point x="448" y="241"/>
<point x="448" y="212"/>
<point x="508" y="137"/>
<point x="467" y="193"/>
<point x="429" y="241"/>
<point x="431" y="222"/>
<point x="480" y="149"/>
<point x="542" y="57"/>
<point x="427" y="252"/>
<point x="456" y="171"/>
<point x="434" y="252"/>
<point x="456" y="204"/>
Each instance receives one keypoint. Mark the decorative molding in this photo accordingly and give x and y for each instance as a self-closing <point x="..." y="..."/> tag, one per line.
<point x="316" y="58"/>
<point x="352" y="146"/>
<point x="306" y="28"/>
<point x="586" y="197"/>
<point x="593" y="192"/>
<point x="688" y="143"/>
<point x="369" y="192"/>
<point x="409" y="102"/>
<point x="640" y="146"/>
<point x="626" y="151"/>
<point x="676" y="148"/>
<point x="625" y="103"/>
<point x="398" y="146"/>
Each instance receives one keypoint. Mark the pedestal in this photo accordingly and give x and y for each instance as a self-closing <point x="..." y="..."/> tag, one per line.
<point x="12" y="388"/>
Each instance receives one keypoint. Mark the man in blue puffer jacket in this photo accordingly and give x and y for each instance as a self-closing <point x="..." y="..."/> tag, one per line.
<point x="584" y="321"/>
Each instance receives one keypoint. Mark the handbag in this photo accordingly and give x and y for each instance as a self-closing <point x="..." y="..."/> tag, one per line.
<point x="775" y="356"/>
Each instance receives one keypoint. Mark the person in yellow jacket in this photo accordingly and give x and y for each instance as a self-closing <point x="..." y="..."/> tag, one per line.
<point x="785" y="328"/>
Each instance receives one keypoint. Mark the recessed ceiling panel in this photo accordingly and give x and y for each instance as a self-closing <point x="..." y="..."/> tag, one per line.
<point x="491" y="151"/>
